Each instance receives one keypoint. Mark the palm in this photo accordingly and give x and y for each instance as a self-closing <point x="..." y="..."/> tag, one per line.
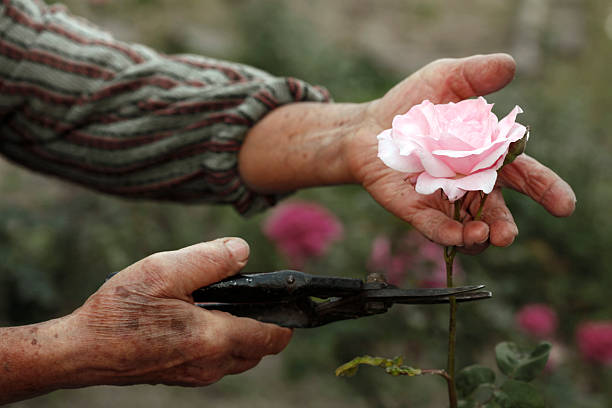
<point x="450" y="81"/>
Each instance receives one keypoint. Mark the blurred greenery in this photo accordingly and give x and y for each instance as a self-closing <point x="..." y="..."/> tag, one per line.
<point x="59" y="241"/>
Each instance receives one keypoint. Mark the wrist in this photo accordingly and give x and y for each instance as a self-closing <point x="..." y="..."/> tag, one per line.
<point x="39" y="358"/>
<point x="301" y="145"/>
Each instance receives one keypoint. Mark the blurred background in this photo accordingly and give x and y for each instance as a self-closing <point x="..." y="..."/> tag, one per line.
<point x="58" y="241"/>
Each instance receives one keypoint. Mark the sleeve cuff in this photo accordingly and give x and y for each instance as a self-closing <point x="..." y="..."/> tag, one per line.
<point x="271" y="93"/>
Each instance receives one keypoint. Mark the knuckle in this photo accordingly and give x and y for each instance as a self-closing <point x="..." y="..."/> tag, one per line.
<point x="153" y="265"/>
<point x="539" y="185"/>
<point x="498" y="213"/>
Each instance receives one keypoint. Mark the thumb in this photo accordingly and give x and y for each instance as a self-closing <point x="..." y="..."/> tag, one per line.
<point x="447" y="80"/>
<point x="464" y="78"/>
<point x="181" y="272"/>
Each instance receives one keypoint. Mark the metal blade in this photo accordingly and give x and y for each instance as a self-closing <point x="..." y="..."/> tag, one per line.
<point x="461" y="297"/>
<point x="397" y="295"/>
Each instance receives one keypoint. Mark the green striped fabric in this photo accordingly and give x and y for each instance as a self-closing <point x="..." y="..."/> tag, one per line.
<point x="123" y="119"/>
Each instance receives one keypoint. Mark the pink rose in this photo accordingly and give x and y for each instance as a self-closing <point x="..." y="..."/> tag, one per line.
<point x="302" y="230"/>
<point x="457" y="147"/>
<point x="538" y="320"/>
<point x="595" y="341"/>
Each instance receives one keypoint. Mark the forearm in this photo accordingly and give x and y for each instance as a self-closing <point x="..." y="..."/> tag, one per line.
<point x="37" y="359"/>
<point x="124" y="119"/>
<point x="300" y="145"/>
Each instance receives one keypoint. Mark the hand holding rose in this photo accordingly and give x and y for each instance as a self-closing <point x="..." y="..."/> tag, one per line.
<point x="451" y="81"/>
<point x="310" y="144"/>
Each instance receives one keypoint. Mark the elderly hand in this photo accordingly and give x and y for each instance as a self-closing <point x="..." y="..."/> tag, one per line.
<point x="451" y="80"/>
<point x="309" y="144"/>
<point x="142" y="327"/>
<point x="145" y="328"/>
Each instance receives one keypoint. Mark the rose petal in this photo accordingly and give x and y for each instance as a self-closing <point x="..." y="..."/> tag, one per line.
<point x="390" y="155"/>
<point x="468" y="162"/>
<point x="516" y="132"/>
<point x="477" y="159"/>
<point x="488" y="159"/>
<point x="433" y="165"/>
<point x="506" y="124"/>
<point x="456" y="188"/>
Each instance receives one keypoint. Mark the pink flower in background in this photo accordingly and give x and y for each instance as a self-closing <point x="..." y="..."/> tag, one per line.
<point x="393" y="266"/>
<point x="428" y="267"/>
<point x="380" y="255"/>
<point x="538" y="320"/>
<point x="432" y="256"/>
<point x="595" y="341"/>
<point x="302" y="230"/>
<point x="457" y="147"/>
<point x="415" y="258"/>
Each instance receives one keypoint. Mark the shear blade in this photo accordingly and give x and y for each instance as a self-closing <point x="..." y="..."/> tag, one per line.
<point x="461" y="297"/>
<point x="397" y="295"/>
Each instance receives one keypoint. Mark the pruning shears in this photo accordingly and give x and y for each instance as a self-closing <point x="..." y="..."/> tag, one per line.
<point x="299" y="300"/>
<point x="296" y="299"/>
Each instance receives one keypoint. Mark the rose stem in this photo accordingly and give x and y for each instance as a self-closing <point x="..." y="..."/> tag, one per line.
<point x="483" y="199"/>
<point x="449" y="257"/>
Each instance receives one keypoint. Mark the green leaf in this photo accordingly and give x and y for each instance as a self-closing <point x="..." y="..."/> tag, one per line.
<point x="516" y="149"/>
<point x="519" y="394"/>
<point x="469" y="378"/>
<point x="484" y="393"/>
<point x="392" y="366"/>
<point x="519" y="363"/>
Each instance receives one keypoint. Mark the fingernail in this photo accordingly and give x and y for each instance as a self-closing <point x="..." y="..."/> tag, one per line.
<point x="238" y="247"/>
<point x="483" y="240"/>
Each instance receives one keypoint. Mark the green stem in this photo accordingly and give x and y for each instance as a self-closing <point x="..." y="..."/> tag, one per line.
<point x="449" y="258"/>
<point x="483" y="199"/>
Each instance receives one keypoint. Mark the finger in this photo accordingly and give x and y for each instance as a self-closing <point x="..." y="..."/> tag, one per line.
<point x="392" y="191"/>
<point x="210" y="262"/>
<point x="179" y="273"/>
<point x="464" y="78"/>
<point x="528" y="176"/>
<point x="438" y="227"/>
<point x="250" y="339"/>
<point x="502" y="229"/>
<point x="475" y="237"/>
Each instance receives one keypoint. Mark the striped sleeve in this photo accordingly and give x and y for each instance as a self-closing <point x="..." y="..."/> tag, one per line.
<point x="123" y="119"/>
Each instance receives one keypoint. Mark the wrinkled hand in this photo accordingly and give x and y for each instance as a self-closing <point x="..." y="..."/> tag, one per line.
<point x="451" y="80"/>
<point x="142" y="327"/>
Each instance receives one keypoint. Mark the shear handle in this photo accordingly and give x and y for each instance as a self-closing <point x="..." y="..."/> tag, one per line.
<point x="276" y="286"/>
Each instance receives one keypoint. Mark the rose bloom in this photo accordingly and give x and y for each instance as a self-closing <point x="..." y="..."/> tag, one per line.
<point x="457" y="147"/>
<point x="595" y="341"/>
<point x="538" y="320"/>
<point x="302" y="230"/>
